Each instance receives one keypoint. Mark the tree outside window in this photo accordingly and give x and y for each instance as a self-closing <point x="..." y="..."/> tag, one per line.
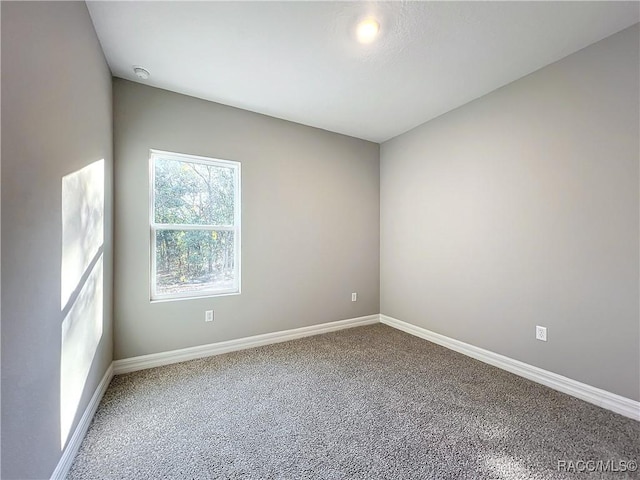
<point x="195" y="226"/>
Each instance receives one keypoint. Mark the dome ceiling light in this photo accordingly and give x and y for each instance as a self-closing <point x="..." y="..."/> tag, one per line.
<point x="367" y="30"/>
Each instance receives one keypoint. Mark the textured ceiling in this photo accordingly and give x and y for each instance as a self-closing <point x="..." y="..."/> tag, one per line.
<point x="299" y="60"/>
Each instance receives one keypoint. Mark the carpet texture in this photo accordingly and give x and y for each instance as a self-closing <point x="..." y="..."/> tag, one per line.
<point x="365" y="403"/>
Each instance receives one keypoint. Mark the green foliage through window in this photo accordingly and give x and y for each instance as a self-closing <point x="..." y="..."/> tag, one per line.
<point x="194" y="226"/>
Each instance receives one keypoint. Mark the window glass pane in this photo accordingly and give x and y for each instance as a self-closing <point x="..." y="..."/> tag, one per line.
<point x="194" y="261"/>
<point x="193" y="193"/>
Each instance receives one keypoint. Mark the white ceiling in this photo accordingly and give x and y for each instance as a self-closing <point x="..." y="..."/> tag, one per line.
<point x="299" y="60"/>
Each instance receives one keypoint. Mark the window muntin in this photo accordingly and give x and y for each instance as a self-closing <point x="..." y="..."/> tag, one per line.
<point x="195" y="226"/>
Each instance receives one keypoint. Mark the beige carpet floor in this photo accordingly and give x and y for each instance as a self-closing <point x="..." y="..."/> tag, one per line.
<point x="365" y="403"/>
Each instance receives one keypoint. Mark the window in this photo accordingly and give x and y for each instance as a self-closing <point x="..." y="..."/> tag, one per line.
<point x="195" y="226"/>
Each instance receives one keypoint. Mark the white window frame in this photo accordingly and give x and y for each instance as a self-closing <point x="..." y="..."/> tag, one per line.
<point x="154" y="227"/>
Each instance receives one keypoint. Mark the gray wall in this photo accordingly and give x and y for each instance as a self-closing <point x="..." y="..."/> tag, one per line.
<point x="521" y="209"/>
<point x="56" y="119"/>
<point x="310" y="222"/>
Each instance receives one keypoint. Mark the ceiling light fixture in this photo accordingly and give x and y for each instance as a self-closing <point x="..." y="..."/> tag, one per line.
<point x="141" y="73"/>
<point x="367" y="30"/>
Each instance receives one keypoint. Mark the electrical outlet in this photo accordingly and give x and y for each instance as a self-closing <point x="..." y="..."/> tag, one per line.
<point x="354" y="297"/>
<point x="541" y="333"/>
<point x="208" y="316"/>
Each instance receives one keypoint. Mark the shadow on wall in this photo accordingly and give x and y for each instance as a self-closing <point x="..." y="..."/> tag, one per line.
<point x="81" y="286"/>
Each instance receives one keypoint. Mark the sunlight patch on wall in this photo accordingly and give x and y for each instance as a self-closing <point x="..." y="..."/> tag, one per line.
<point x="82" y="224"/>
<point x="81" y="333"/>
<point x="81" y="287"/>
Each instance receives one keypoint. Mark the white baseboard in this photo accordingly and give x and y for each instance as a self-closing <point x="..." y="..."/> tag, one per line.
<point x="174" y="356"/>
<point x="71" y="450"/>
<point x="602" y="398"/>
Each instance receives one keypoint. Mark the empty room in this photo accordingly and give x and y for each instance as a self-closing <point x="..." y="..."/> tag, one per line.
<point x="322" y="240"/>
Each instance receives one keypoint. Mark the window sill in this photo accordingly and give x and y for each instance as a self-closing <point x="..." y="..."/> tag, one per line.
<point x="193" y="297"/>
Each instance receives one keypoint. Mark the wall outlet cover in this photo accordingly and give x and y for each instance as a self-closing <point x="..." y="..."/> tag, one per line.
<point x="541" y="333"/>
